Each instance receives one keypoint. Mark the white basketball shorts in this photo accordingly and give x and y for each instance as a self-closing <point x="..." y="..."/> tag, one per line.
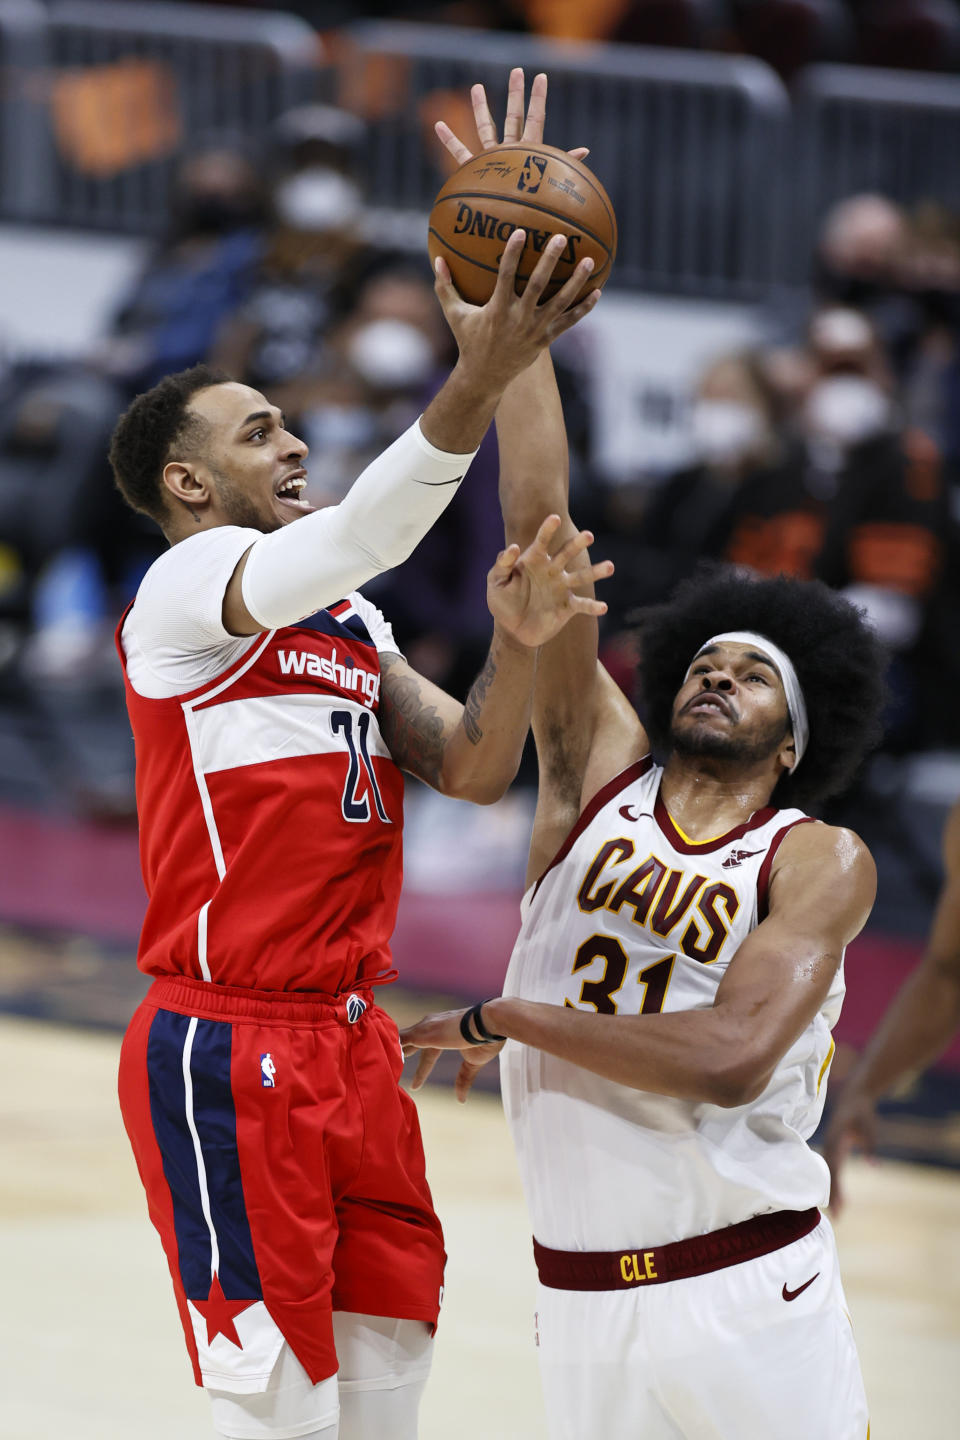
<point x="761" y="1350"/>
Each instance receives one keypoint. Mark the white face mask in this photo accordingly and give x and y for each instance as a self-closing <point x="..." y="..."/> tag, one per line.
<point x="846" y="409"/>
<point x="318" y="200"/>
<point x="391" y="355"/>
<point x="724" y="431"/>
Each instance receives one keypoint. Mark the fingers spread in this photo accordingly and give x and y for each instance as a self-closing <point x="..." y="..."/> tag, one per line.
<point x="451" y="143"/>
<point x="481" y="114"/>
<point x="505" y="288"/>
<point x="574" y="547"/>
<point x="547" y="530"/>
<point x="544" y="268"/>
<point x="537" y="111"/>
<point x="573" y="315"/>
<point x="428" y="1059"/>
<point x="571" y="287"/>
<point x="513" y="124"/>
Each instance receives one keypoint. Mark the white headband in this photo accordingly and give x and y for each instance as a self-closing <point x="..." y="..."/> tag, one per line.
<point x="796" y="705"/>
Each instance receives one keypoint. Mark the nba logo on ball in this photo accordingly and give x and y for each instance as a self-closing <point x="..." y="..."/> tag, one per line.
<point x="532" y="173"/>
<point x="534" y="188"/>
<point x="267" y="1071"/>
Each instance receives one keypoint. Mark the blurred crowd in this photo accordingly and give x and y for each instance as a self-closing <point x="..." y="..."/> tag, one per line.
<point x="834" y="452"/>
<point x="787" y="34"/>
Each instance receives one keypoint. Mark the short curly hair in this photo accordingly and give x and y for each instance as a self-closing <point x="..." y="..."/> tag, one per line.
<point x="839" y="661"/>
<point x="152" y="426"/>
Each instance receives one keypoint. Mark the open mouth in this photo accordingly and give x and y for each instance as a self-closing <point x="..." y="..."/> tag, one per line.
<point x="704" y="704"/>
<point x="289" y="491"/>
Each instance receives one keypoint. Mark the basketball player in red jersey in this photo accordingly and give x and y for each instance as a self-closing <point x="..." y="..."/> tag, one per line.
<point x="668" y="1006"/>
<point x="272" y="715"/>
<point x="919" y="1024"/>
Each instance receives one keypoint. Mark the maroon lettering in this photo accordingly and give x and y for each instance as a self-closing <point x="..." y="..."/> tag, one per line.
<point x="587" y="901"/>
<point x="667" y="915"/>
<point x="640" y="888"/>
<point x="713" y="897"/>
<point x="600" y="993"/>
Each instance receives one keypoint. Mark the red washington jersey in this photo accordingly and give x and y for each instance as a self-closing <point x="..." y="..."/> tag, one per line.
<point x="270" y="809"/>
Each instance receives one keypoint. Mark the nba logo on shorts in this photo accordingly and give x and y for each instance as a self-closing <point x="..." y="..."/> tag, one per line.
<point x="267" y="1071"/>
<point x="355" y="1008"/>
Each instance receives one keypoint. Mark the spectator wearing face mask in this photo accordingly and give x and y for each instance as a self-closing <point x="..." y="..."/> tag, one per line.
<point x="737" y="441"/>
<point x="878" y="480"/>
<point x="862" y="505"/>
<point x="315" y="261"/>
<point x="200" y="273"/>
<point x="902" y="271"/>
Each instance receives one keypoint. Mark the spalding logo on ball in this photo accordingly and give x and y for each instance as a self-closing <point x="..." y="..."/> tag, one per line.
<point x="535" y="188"/>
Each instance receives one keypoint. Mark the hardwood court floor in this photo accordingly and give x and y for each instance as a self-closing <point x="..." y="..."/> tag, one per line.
<point x="90" y="1345"/>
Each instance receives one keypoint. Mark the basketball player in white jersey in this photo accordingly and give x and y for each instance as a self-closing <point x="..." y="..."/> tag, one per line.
<point x="669" y="1002"/>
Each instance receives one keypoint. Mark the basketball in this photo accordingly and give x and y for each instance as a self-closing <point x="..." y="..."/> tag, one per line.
<point x="536" y="188"/>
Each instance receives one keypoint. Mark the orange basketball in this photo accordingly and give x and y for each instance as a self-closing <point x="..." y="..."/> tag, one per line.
<point x="532" y="187"/>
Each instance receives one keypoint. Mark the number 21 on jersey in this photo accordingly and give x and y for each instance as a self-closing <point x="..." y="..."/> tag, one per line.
<point x="358" y="788"/>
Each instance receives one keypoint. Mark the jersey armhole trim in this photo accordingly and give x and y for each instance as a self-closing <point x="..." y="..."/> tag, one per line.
<point x="592" y="809"/>
<point x="763" y="875"/>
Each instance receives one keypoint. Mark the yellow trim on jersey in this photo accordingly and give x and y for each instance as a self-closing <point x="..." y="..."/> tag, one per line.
<point x="685" y="837"/>
<point x="823" y="1067"/>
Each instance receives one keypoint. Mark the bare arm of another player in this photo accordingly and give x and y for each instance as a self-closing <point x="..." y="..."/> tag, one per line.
<point x="821" y="892"/>
<point x="472" y="751"/>
<point x="918" y="1025"/>
<point x="584" y="728"/>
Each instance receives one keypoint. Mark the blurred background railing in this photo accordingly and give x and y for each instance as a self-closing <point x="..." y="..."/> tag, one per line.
<point x="718" y="173"/>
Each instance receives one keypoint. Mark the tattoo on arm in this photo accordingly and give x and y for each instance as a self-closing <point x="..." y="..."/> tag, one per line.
<point x="476" y="699"/>
<point x="414" y="731"/>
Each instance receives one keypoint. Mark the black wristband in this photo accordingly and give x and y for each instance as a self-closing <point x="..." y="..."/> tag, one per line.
<point x="483" y="1035"/>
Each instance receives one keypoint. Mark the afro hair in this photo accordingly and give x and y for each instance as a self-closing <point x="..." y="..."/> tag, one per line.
<point x="840" y="665"/>
<point x="149" y="429"/>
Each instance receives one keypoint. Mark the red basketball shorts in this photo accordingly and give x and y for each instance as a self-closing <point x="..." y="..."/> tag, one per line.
<point x="284" y="1171"/>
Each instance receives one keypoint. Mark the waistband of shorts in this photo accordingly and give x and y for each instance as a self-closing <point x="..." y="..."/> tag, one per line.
<point x="630" y="1269"/>
<point x="188" y="996"/>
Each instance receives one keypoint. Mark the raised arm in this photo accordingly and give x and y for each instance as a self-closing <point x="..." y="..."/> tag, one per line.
<point x="917" y="1027"/>
<point x="472" y="751"/>
<point x="584" y="728"/>
<point x="301" y="567"/>
<point x="821" y="893"/>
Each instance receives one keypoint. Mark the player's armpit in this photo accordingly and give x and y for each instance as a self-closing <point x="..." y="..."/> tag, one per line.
<point x="617" y="738"/>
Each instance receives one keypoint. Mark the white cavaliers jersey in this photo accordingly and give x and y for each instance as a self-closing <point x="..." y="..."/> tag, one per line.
<point x="632" y="917"/>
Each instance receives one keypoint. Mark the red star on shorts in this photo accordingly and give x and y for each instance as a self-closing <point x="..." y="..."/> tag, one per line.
<point x="219" y="1312"/>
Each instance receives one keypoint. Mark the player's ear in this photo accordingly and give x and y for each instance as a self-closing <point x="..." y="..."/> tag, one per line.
<point x="184" y="483"/>
<point x="787" y="754"/>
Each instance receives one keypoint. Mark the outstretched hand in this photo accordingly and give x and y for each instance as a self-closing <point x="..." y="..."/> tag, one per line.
<point x="436" y="1033"/>
<point x="517" y="130"/>
<point x="532" y="594"/>
<point x="504" y="336"/>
